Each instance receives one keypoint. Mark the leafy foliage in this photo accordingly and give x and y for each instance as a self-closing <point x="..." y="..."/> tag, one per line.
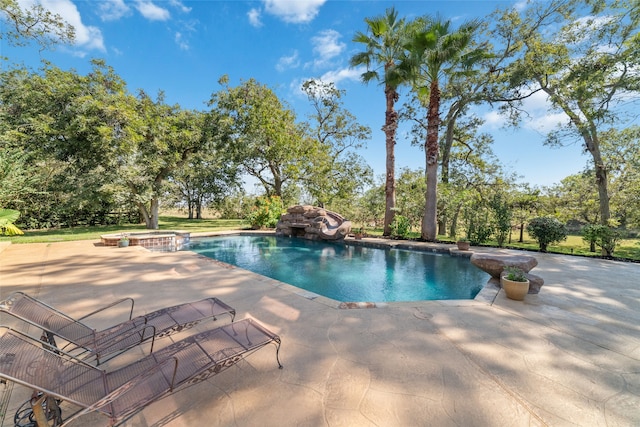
<point x="515" y="274"/>
<point x="7" y="219"/>
<point x="602" y="236"/>
<point x="266" y="212"/>
<point x="335" y="171"/>
<point x="260" y="133"/>
<point x="502" y="217"/>
<point x="400" y="227"/>
<point x="546" y="231"/>
<point x="435" y="53"/>
<point x="33" y="23"/>
<point x="384" y="44"/>
<point x="582" y="56"/>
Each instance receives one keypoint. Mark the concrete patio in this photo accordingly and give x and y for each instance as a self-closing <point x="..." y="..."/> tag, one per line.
<point x="569" y="356"/>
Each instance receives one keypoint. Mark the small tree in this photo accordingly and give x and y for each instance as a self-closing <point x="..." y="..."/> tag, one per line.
<point x="502" y="217"/>
<point x="478" y="224"/>
<point x="546" y="231"/>
<point x="602" y="236"/>
<point x="400" y="227"/>
<point x="590" y="235"/>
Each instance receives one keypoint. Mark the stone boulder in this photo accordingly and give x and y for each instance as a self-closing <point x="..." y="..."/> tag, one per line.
<point x="494" y="264"/>
<point x="313" y="223"/>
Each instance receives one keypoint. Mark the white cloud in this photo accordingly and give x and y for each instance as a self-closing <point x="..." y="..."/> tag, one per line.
<point x="294" y="11"/>
<point x="493" y="119"/>
<point x="583" y="28"/>
<point x="181" y="42"/>
<point x="254" y="17"/>
<point x="520" y="5"/>
<point x="538" y="117"/>
<point x="541" y="119"/>
<point x="178" y="5"/>
<point x="336" y="76"/>
<point x="326" y="46"/>
<point x="112" y="10"/>
<point x="151" y="11"/>
<point x="288" y="62"/>
<point x="87" y="37"/>
<point x="547" y="122"/>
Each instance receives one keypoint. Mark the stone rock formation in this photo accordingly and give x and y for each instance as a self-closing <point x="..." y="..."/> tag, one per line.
<point x="313" y="223"/>
<point x="494" y="264"/>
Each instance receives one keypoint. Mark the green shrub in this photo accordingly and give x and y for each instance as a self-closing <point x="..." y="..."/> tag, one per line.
<point x="400" y="227"/>
<point x="546" y="231"/>
<point x="266" y="212"/>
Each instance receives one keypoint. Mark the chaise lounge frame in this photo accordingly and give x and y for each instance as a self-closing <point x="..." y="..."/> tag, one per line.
<point x="88" y="343"/>
<point x="121" y="393"/>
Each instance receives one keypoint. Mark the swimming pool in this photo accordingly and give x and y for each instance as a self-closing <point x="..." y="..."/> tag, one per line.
<point x="349" y="273"/>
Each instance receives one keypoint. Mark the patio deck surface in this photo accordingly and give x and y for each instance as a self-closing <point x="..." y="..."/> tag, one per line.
<point x="569" y="356"/>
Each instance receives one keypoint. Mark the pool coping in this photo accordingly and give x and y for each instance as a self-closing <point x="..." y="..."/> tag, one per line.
<point x="486" y="296"/>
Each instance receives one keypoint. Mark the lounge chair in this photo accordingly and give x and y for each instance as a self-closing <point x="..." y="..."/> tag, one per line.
<point x="87" y="343"/>
<point x="121" y="393"/>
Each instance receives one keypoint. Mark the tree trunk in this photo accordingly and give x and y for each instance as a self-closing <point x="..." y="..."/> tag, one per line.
<point x="601" y="180"/>
<point x="589" y="132"/>
<point x="152" y="223"/>
<point x="429" y="226"/>
<point x="144" y="213"/>
<point x="390" y="127"/>
<point x="521" y="239"/>
<point x="453" y="230"/>
<point x="198" y="209"/>
<point x="452" y="117"/>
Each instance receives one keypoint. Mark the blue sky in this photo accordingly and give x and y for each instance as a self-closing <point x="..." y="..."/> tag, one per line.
<point x="183" y="47"/>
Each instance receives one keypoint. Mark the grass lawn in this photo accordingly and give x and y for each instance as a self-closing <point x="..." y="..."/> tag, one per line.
<point x="93" y="233"/>
<point x="574" y="245"/>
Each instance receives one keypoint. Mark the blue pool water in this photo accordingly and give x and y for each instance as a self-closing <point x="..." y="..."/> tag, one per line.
<point x="349" y="273"/>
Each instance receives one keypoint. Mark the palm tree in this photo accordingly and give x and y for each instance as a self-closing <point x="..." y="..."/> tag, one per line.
<point x="435" y="53"/>
<point x="384" y="47"/>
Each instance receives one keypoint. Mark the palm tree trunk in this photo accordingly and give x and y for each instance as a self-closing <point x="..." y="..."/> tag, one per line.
<point x="429" y="223"/>
<point x="390" y="126"/>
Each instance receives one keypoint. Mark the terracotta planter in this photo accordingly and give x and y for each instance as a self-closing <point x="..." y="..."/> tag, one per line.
<point x="463" y="246"/>
<point x="514" y="290"/>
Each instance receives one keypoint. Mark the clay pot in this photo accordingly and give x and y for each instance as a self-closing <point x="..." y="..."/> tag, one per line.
<point x="514" y="290"/>
<point x="463" y="246"/>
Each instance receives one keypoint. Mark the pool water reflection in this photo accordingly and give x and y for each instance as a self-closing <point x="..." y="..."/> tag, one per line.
<point x="349" y="273"/>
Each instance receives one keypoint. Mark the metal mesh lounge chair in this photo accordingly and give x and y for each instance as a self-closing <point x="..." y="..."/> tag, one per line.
<point x="121" y="393"/>
<point x="87" y="343"/>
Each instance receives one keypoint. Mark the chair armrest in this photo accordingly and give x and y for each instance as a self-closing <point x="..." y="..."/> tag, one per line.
<point x="111" y="346"/>
<point x="109" y="306"/>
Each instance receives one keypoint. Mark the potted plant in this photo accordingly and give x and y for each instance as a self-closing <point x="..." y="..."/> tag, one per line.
<point x="359" y="234"/>
<point x="515" y="283"/>
<point x="463" y="244"/>
<point x="124" y="241"/>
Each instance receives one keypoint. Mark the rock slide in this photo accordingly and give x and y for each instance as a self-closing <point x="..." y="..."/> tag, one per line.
<point x="313" y="223"/>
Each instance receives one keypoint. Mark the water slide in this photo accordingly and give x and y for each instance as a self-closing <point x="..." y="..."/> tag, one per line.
<point x="312" y="222"/>
<point x="334" y="227"/>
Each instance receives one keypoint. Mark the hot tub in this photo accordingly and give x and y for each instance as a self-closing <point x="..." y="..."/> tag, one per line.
<point x="153" y="240"/>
